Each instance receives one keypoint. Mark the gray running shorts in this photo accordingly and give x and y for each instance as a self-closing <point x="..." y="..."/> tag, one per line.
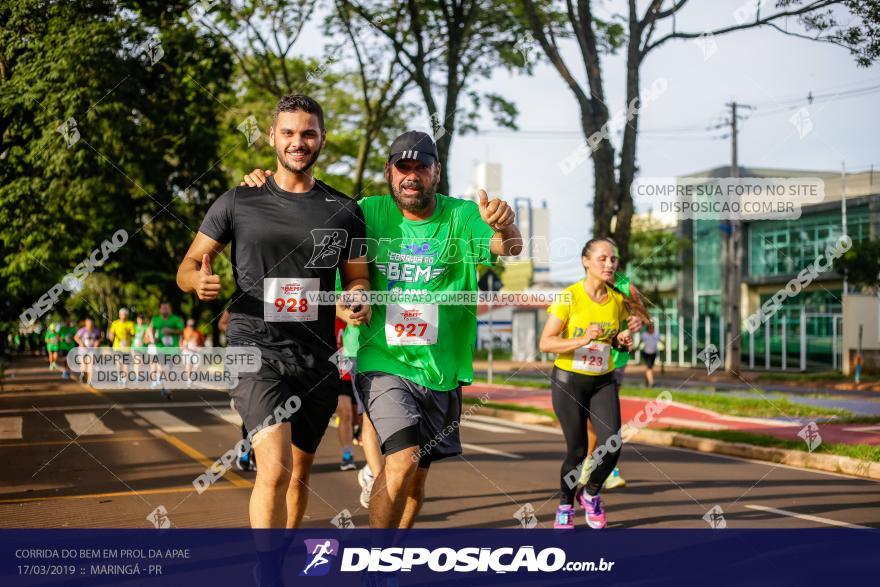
<point x="406" y="414"/>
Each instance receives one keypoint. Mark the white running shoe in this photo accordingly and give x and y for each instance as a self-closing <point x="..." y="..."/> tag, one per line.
<point x="365" y="480"/>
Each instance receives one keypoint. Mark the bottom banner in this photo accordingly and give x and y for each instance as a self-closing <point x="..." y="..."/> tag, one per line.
<point x="479" y="556"/>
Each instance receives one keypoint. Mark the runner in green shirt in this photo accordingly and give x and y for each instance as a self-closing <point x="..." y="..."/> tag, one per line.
<point x="66" y="344"/>
<point x="165" y="330"/>
<point x="141" y="328"/>
<point x="53" y="339"/>
<point x="413" y="357"/>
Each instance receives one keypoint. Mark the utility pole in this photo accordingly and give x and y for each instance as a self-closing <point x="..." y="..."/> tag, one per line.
<point x="490" y="373"/>
<point x="731" y="262"/>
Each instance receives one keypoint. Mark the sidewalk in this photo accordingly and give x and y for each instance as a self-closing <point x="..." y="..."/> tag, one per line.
<point x="678" y="415"/>
<point x="674" y="376"/>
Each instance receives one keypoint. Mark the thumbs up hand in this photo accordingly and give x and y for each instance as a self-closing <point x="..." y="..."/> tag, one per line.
<point x="208" y="287"/>
<point x="496" y="213"/>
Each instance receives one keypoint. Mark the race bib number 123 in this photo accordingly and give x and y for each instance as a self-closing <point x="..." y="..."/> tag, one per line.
<point x="592" y="358"/>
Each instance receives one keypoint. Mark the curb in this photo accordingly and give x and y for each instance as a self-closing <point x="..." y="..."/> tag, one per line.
<point x="793" y="458"/>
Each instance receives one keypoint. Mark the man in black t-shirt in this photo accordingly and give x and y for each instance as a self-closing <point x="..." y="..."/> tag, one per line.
<point x="288" y="239"/>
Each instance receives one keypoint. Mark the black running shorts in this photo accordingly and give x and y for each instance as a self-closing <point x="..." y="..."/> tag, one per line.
<point x="284" y="392"/>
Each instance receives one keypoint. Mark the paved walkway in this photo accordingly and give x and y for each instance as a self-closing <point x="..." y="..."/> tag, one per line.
<point x="678" y="415"/>
<point x="689" y="377"/>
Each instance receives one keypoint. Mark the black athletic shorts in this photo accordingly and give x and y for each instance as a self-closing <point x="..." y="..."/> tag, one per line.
<point x="649" y="359"/>
<point x="346" y="388"/>
<point x="284" y="392"/>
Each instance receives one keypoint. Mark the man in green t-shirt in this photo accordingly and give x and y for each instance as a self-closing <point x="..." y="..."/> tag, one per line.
<point x="67" y="332"/>
<point x="414" y="357"/>
<point x="52" y="338"/>
<point x="164" y="332"/>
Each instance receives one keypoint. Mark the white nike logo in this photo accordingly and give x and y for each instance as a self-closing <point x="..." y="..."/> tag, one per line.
<point x="329" y="200"/>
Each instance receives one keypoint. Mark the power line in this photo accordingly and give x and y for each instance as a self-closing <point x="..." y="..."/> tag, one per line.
<point x="828" y="91"/>
<point x="681" y="132"/>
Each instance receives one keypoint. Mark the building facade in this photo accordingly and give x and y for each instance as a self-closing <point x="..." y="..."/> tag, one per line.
<point x="811" y="330"/>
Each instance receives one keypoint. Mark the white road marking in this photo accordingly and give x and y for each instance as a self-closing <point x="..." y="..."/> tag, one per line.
<point x="830" y="522"/>
<point x="518" y="426"/>
<point x="162" y="404"/>
<point x="227" y="414"/>
<point x="10" y="428"/>
<point x="490" y="451"/>
<point x="467" y="423"/>
<point x="86" y="424"/>
<point x="165" y="421"/>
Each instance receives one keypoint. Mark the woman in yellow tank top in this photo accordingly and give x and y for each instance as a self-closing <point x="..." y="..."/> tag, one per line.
<point x="581" y="328"/>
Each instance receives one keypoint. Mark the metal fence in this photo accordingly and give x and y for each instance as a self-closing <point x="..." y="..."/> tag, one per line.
<point x="794" y="340"/>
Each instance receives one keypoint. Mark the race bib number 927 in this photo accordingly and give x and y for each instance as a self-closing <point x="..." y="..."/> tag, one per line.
<point x="411" y="324"/>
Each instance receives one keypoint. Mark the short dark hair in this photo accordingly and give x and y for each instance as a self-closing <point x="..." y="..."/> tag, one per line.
<point x="294" y="102"/>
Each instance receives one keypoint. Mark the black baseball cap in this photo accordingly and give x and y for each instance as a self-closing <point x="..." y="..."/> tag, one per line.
<point x="413" y="145"/>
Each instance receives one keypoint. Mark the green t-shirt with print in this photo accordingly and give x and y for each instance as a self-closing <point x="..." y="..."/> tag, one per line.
<point x="167" y="340"/>
<point x="428" y="343"/>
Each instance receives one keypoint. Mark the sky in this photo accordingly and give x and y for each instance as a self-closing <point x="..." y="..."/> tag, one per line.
<point x="762" y="67"/>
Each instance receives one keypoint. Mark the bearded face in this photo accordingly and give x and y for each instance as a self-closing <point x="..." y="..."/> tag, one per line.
<point x="413" y="184"/>
<point x="297" y="139"/>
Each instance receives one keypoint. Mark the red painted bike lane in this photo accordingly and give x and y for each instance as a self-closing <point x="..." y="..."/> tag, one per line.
<point x="678" y="415"/>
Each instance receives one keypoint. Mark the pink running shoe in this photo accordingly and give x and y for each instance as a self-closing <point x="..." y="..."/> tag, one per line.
<point x="564" y="518"/>
<point x="593" y="507"/>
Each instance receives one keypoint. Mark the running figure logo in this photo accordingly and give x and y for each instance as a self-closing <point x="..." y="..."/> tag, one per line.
<point x="342" y="520"/>
<point x="711" y="357"/>
<point x="327" y="247"/>
<point x="159" y="518"/>
<point x="526" y="516"/>
<point x="715" y="518"/>
<point x="317" y="552"/>
<point x="810" y="434"/>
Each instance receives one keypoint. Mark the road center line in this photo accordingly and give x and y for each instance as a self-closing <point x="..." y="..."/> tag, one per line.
<point x="490" y="451"/>
<point x="830" y="522"/>
<point x="200" y="458"/>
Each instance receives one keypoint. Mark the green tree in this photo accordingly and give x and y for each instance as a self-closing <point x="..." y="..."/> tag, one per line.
<point x="446" y="47"/>
<point x="361" y="109"/>
<point x="655" y="251"/>
<point x="861" y="265"/>
<point x="108" y="121"/>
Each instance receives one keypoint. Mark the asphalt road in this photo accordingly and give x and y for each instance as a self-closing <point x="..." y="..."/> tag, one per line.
<point x="79" y="458"/>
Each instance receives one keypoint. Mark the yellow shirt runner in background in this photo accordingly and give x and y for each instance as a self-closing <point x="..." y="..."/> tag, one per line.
<point x="123" y="333"/>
